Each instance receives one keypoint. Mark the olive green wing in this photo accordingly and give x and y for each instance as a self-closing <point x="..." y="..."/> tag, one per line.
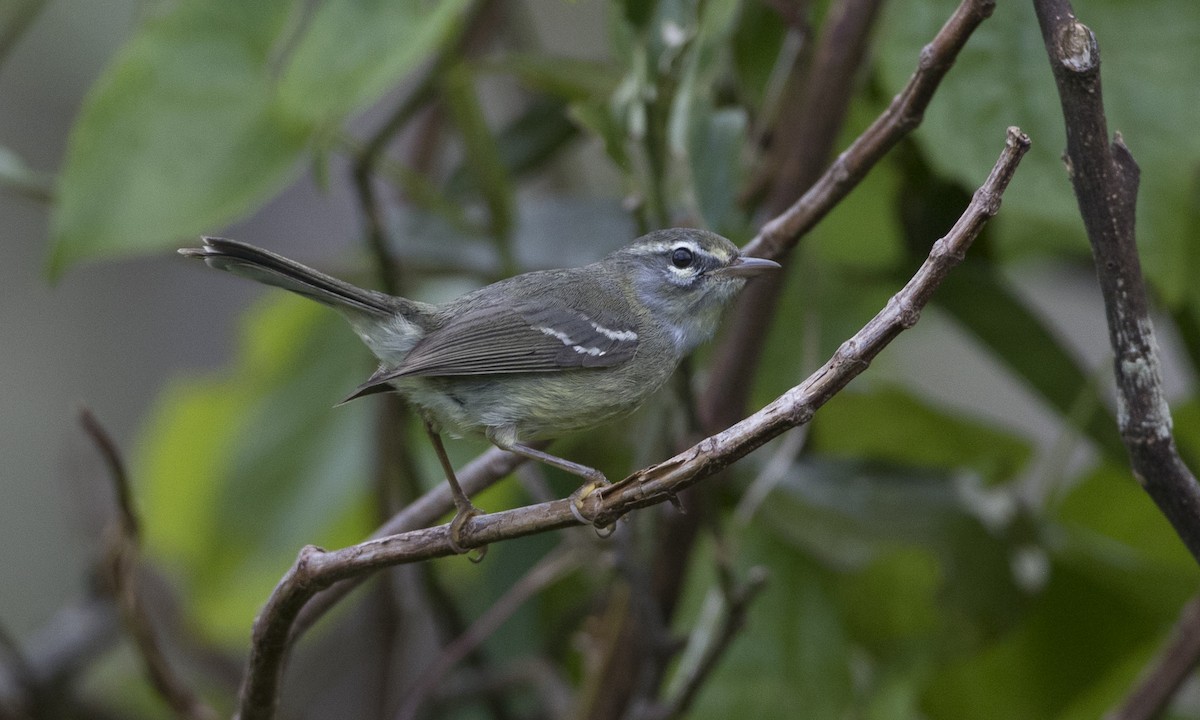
<point x="493" y="340"/>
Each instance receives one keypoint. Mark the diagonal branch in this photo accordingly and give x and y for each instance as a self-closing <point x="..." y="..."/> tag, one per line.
<point x="1164" y="675"/>
<point x="1105" y="178"/>
<point x="738" y="353"/>
<point x="902" y="116"/>
<point x="316" y="569"/>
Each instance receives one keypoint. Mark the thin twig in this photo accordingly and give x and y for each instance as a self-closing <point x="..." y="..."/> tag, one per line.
<point x="1167" y="672"/>
<point x="737" y="599"/>
<point x="121" y="560"/>
<point x="1105" y="178"/>
<point x="480" y="21"/>
<point x="316" y="569"/>
<point x="546" y="572"/>
<point x="364" y="172"/>
<point x="737" y="356"/>
<point x="127" y="517"/>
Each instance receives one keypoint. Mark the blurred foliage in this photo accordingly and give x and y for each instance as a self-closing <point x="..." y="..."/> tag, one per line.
<point x="924" y="562"/>
<point x="205" y="112"/>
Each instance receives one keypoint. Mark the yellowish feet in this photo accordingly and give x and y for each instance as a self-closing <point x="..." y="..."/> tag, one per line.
<point x="585" y="504"/>
<point x="461" y="518"/>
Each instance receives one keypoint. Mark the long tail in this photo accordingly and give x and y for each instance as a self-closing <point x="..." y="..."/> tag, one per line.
<point x="267" y="267"/>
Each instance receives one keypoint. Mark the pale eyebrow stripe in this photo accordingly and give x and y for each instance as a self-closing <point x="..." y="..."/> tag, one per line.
<point x="662" y="247"/>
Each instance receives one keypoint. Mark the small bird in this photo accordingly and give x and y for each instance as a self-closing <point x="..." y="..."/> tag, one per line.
<point x="534" y="356"/>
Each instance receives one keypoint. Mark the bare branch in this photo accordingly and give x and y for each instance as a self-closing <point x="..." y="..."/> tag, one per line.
<point x="121" y="560"/>
<point x="316" y="569"/>
<point x="126" y="514"/>
<point x="738" y="354"/>
<point x="1105" y="178"/>
<point x="903" y="116"/>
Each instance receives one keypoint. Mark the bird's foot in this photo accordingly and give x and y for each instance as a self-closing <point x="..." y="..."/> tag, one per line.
<point x="585" y="504"/>
<point x="461" y="518"/>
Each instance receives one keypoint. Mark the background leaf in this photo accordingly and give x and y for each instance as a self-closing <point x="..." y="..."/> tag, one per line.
<point x="205" y="113"/>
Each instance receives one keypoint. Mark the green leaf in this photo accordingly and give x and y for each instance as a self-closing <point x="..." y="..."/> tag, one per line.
<point x="1110" y="507"/>
<point x="240" y="471"/>
<point x="893" y="426"/>
<point x="638" y="12"/>
<point x="715" y="155"/>
<point x="569" y="79"/>
<point x="757" y="41"/>
<point x="1078" y="635"/>
<point x="350" y="52"/>
<point x="597" y="119"/>
<point x="985" y="305"/>
<point x="1002" y="78"/>
<point x="893" y="599"/>
<point x="792" y="652"/>
<point x="525" y="144"/>
<point x="205" y="113"/>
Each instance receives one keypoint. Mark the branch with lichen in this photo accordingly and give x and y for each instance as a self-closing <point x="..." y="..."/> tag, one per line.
<point x="1105" y="178"/>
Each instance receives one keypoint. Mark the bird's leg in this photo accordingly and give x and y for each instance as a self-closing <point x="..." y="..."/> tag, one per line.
<point x="466" y="510"/>
<point x="506" y="439"/>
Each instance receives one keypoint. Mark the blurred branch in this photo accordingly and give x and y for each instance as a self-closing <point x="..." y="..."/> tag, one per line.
<point x="903" y="115"/>
<point x="316" y="568"/>
<point x="736" y="603"/>
<point x="480" y="22"/>
<point x="737" y="356"/>
<point x="121" y="555"/>
<point x="15" y="19"/>
<point x="366" y="160"/>
<point x="1167" y="672"/>
<point x="546" y="572"/>
<point x="807" y="134"/>
<point x="804" y="138"/>
<point x="1105" y="178"/>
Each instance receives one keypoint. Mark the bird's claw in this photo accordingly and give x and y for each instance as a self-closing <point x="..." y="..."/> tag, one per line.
<point x="461" y="518"/>
<point x="592" y="493"/>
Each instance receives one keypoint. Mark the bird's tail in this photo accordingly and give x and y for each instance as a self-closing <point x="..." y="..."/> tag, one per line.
<point x="267" y="267"/>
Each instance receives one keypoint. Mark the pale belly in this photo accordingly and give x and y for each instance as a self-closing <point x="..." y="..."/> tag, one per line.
<point x="534" y="405"/>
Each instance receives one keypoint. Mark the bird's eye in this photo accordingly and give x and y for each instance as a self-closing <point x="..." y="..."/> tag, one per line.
<point x="681" y="257"/>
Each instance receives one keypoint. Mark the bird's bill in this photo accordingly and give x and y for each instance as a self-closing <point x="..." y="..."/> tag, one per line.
<point x="746" y="266"/>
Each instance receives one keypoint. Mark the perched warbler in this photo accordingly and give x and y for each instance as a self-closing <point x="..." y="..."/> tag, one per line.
<point x="534" y="356"/>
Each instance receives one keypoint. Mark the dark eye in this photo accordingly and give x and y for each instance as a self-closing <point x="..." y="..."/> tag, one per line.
<point x="681" y="257"/>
